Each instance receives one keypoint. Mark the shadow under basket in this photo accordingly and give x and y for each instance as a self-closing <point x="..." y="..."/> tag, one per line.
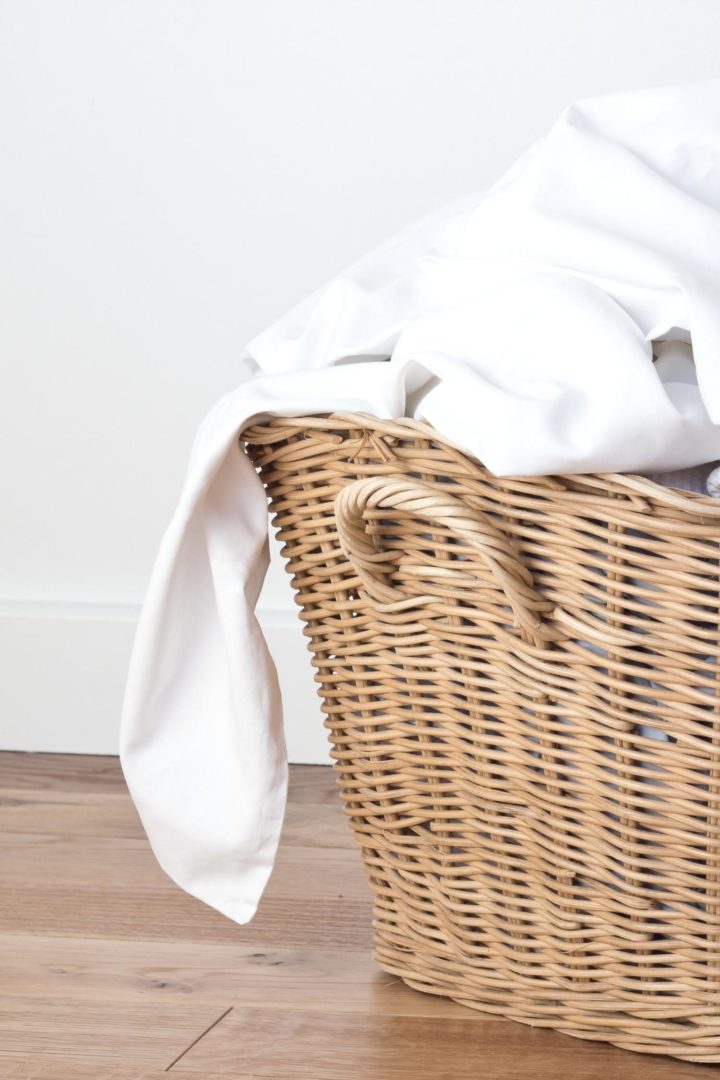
<point x="521" y="682"/>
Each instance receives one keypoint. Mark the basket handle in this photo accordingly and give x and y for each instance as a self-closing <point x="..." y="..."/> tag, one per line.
<point x="432" y="504"/>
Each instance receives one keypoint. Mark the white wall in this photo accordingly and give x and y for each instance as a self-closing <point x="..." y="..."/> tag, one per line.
<point x="174" y="174"/>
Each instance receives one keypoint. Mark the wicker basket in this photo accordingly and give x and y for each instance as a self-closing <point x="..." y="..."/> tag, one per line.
<point x="520" y="679"/>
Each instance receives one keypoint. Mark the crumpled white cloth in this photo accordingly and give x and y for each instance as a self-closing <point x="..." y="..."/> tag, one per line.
<point x="544" y="326"/>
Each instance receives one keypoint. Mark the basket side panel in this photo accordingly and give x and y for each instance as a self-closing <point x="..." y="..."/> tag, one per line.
<point x="539" y="823"/>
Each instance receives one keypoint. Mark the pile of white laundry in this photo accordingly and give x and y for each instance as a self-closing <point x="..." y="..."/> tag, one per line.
<point x="568" y="320"/>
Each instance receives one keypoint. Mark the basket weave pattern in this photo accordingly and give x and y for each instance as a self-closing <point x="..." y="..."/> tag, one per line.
<point x="520" y="680"/>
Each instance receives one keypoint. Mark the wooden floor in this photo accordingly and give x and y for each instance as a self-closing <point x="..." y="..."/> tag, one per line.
<point x="109" y="972"/>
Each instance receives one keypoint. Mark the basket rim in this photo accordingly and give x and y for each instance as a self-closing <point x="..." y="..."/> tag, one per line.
<point x="405" y="426"/>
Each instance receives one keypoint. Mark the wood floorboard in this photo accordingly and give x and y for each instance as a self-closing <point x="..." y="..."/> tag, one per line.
<point x="86" y="862"/>
<point x="110" y="972"/>
<point x="300" y="978"/>
<point x="25" y="1069"/>
<point x="159" y="915"/>
<point x="104" y="1031"/>
<point x="61" y="772"/>
<point x="315" y="1045"/>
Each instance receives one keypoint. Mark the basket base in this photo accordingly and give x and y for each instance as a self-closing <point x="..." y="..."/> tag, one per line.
<point x="568" y="1014"/>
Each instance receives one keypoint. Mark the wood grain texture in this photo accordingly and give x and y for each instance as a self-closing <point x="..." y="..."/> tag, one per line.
<point x="314" y="1045"/>
<point x="333" y="980"/>
<point x="22" y="1069"/>
<point x="103" y="1031"/>
<point x="109" y="972"/>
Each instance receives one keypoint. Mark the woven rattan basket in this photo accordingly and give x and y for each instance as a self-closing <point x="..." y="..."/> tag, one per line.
<point x="520" y="679"/>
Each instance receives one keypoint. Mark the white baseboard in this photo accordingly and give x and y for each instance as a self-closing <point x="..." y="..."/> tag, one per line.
<point x="63" y="667"/>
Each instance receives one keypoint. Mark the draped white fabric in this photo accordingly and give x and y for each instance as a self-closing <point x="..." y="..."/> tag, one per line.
<point x="566" y="321"/>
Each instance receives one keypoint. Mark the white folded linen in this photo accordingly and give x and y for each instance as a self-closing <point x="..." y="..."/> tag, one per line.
<point x="544" y="327"/>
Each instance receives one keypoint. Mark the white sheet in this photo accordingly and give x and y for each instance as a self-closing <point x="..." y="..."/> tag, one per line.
<point x="544" y="326"/>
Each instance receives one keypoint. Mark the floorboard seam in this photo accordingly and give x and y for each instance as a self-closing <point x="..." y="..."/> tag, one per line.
<point x="200" y="1036"/>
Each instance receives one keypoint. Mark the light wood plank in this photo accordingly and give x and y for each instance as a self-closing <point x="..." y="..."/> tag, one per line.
<point x="106" y="815"/>
<point x="61" y="772"/>
<point x="103" y="1032"/>
<point x="20" y="1068"/>
<point x="72" y="814"/>
<point x="335" y="981"/>
<point x="23" y="1069"/>
<point x="314" y="784"/>
<point x="160" y="914"/>
<point x="316" y="873"/>
<point x="313" y="1045"/>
